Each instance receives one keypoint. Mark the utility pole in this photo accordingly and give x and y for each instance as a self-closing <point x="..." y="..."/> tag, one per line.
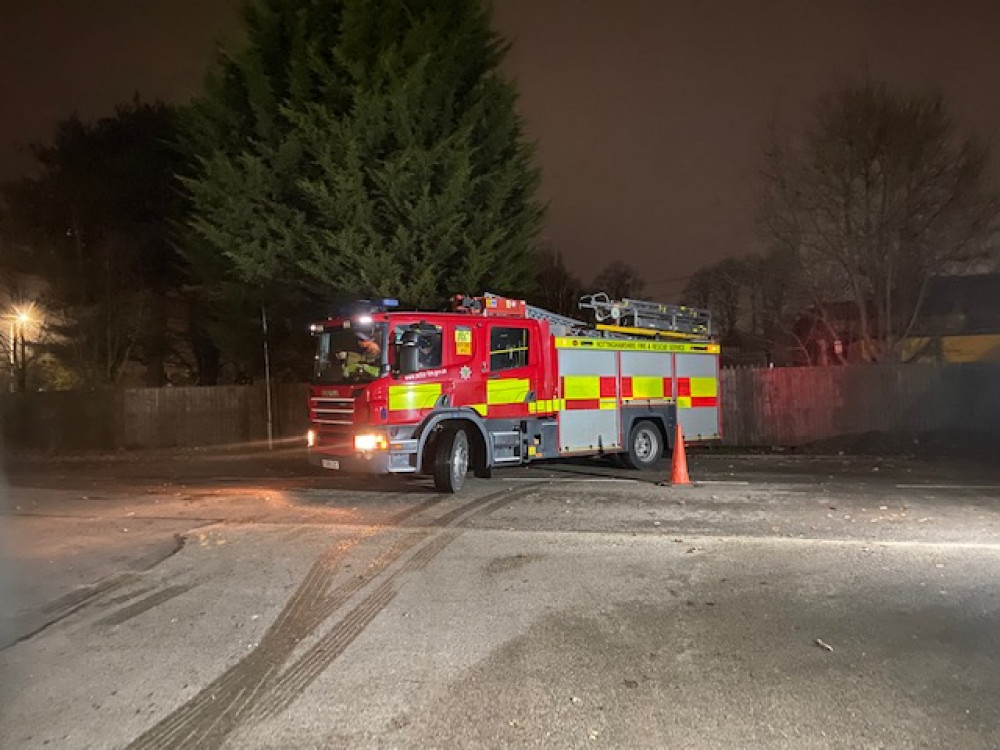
<point x="22" y="370"/>
<point x="267" y="380"/>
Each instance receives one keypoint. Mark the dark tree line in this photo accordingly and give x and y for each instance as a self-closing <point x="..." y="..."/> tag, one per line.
<point x="96" y="224"/>
<point x="365" y="148"/>
<point x="879" y="194"/>
<point x="344" y="149"/>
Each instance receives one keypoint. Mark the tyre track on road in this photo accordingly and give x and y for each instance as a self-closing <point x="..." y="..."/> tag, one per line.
<point x="292" y="624"/>
<point x="145" y="604"/>
<point x="294" y="681"/>
<point x="321" y="654"/>
<point x="253" y="688"/>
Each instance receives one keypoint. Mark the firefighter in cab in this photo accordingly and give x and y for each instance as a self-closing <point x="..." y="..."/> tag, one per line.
<point x="430" y="355"/>
<point x="365" y="361"/>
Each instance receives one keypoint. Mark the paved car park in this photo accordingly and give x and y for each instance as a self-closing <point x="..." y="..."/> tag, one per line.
<point x="222" y="599"/>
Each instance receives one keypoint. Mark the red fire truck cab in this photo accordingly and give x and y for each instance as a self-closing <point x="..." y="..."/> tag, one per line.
<point x="496" y="382"/>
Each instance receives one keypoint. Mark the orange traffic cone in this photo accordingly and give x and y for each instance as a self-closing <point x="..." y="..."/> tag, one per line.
<point x="678" y="463"/>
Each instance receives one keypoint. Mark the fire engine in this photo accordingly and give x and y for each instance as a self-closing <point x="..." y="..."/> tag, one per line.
<point x="496" y="382"/>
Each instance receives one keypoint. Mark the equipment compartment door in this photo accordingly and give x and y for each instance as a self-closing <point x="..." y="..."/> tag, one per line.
<point x="697" y="389"/>
<point x="589" y="418"/>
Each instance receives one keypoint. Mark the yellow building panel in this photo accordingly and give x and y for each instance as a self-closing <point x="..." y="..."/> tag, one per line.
<point x="981" y="348"/>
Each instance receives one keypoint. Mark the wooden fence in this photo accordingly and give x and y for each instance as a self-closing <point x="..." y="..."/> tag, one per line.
<point x="761" y="407"/>
<point x="135" y="418"/>
<point x="796" y="405"/>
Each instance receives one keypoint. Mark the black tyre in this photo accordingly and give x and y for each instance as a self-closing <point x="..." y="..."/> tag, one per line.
<point x="645" y="446"/>
<point x="451" y="460"/>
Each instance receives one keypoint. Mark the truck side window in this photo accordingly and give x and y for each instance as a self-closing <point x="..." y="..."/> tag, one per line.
<point x="508" y="348"/>
<point x="428" y="344"/>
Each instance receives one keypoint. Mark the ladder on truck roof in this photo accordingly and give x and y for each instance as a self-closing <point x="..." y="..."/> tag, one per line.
<point x="560" y="325"/>
<point x="648" y="318"/>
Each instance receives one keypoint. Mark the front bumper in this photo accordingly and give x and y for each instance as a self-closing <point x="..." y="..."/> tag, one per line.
<point x="401" y="458"/>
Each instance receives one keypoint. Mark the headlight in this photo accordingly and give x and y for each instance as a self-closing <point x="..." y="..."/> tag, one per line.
<point x="368" y="443"/>
<point x="310" y="439"/>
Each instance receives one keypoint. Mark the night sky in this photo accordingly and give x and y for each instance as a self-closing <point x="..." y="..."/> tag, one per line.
<point x="648" y="113"/>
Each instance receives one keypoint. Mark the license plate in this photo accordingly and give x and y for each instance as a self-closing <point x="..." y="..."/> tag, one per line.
<point x="329" y="463"/>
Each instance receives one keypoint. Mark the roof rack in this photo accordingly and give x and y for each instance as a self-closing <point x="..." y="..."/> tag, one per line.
<point x="648" y="318"/>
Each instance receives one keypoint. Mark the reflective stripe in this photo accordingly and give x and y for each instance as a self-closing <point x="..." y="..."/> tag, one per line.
<point x="574" y="342"/>
<point x="410" y="397"/>
<point x="609" y="403"/>
<point x="645" y="386"/>
<point x="704" y="387"/>
<point x="480" y="409"/>
<point x="581" y="386"/>
<point x="609" y="387"/>
<point x="507" y="391"/>
<point x="683" y="402"/>
<point x="547" y="406"/>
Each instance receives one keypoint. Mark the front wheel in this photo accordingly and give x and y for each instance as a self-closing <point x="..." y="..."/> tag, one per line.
<point x="451" y="460"/>
<point x="645" y="446"/>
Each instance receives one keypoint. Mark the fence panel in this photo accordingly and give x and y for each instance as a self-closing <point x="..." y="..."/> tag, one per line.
<point x="796" y="405"/>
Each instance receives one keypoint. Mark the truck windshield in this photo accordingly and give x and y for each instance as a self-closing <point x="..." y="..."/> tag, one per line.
<point x="350" y="355"/>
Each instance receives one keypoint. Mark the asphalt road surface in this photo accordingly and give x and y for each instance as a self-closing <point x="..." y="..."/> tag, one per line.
<point x="205" y="600"/>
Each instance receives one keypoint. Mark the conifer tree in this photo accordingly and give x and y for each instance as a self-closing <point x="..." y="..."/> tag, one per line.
<point x="241" y="242"/>
<point x="367" y="147"/>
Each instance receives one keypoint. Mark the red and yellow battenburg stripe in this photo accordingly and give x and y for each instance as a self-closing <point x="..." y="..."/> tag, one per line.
<point x="695" y="392"/>
<point x="597" y="392"/>
<point x="588" y="392"/>
<point x="646" y="387"/>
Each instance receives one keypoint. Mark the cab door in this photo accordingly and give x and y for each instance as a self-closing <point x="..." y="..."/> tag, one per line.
<point x="511" y="367"/>
<point x="511" y="383"/>
<point x="465" y="355"/>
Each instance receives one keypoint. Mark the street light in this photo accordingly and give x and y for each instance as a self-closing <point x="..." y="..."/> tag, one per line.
<point x="19" y="318"/>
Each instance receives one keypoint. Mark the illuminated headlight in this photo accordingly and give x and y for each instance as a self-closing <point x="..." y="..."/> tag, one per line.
<point x="310" y="439"/>
<point x="370" y="442"/>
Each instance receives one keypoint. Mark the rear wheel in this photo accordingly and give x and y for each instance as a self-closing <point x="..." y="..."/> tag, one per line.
<point x="645" y="446"/>
<point x="451" y="460"/>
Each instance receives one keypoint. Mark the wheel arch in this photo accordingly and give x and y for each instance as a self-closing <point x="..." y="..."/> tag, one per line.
<point x="663" y="419"/>
<point x="475" y="427"/>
